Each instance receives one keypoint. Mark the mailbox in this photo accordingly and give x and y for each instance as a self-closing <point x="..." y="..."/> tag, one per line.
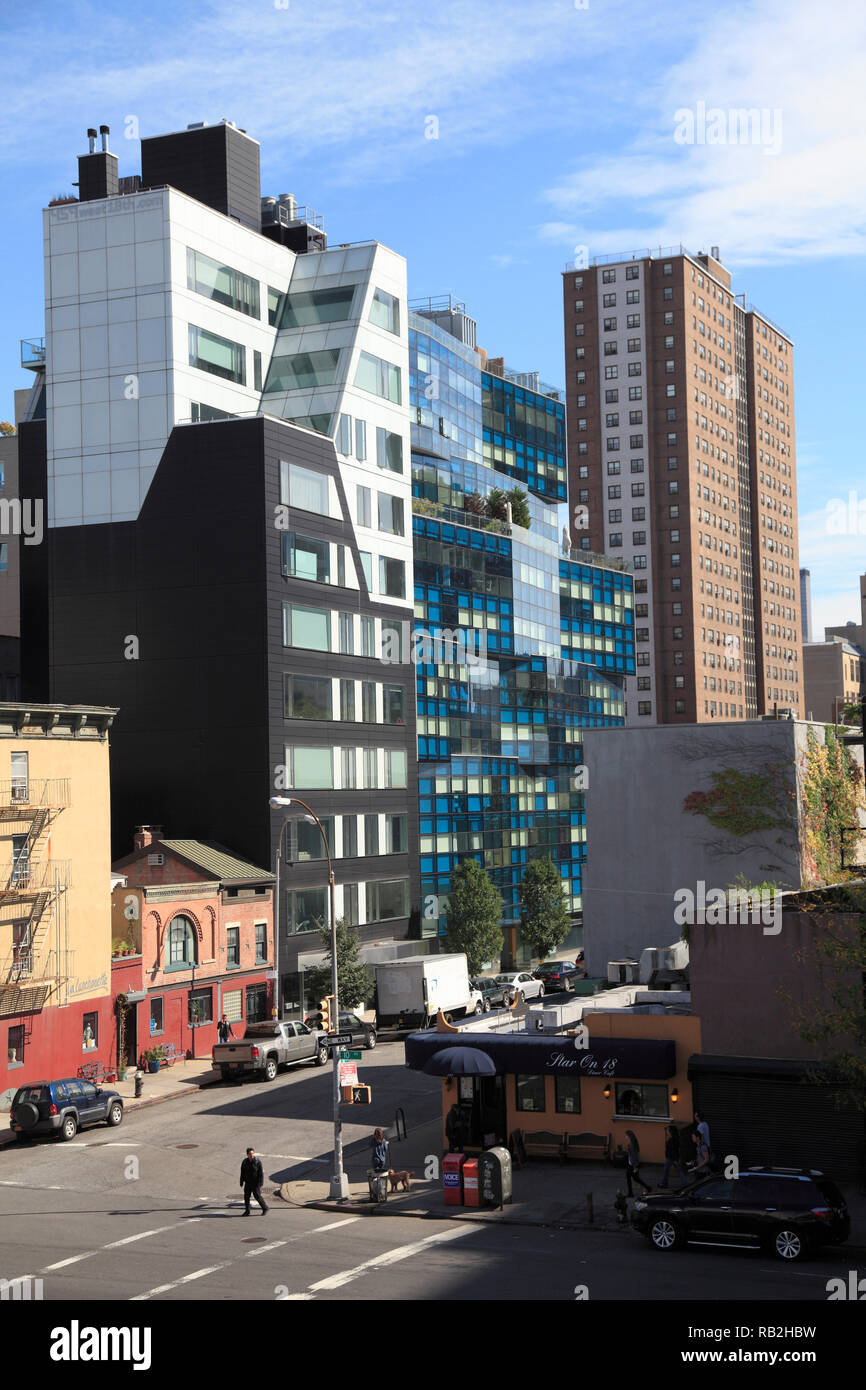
<point x="452" y="1179"/>
<point x="470" y="1183"/>
<point x="494" y="1177"/>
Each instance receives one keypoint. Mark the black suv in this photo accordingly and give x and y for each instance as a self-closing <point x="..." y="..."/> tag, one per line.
<point x="786" y="1211"/>
<point x="62" y="1107"/>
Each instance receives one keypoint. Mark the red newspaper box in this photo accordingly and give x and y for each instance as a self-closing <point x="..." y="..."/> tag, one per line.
<point x="452" y="1179"/>
<point x="470" y="1183"/>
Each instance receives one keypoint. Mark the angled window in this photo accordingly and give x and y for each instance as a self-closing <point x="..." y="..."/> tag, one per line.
<point x="303" y="370"/>
<point x="385" y="311"/>
<point x="317" y="306"/>
<point x="222" y="284"/>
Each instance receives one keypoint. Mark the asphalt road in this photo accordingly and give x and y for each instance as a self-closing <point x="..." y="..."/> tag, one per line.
<point x="152" y="1212"/>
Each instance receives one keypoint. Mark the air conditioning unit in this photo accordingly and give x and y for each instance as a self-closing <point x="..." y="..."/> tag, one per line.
<point x="623" y="972"/>
<point x="545" y="1020"/>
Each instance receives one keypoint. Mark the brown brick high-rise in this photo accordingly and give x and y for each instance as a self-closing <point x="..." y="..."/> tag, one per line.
<point x="680" y="421"/>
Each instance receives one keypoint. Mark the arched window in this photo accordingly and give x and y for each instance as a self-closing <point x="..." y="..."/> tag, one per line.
<point x="181" y="944"/>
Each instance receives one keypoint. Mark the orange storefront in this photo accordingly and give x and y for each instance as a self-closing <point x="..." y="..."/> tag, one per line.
<point x="631" y="1074"/>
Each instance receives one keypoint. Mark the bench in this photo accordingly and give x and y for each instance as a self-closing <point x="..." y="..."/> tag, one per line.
<point x="588" y="1145"/>
<point x="542" y="1143"/>
<point x="97" y="1072"/>
<point x="170" y="1055"/>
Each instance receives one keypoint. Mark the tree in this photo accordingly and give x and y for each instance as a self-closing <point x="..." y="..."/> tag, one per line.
<point x="544" y="917"/>
<point x="7" y="428"/>
<point x="496" y="502"/>
<point x="519" y="508"/>
<point x="838" y="1029"/>
<point x="473" y="915"/>
<point x="354" y="981"/>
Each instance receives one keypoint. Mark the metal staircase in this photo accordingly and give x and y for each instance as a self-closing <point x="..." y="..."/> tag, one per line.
<point x="32" y="890"/>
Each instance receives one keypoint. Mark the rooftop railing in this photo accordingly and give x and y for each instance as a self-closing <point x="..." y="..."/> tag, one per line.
<point x="33" y="353"/>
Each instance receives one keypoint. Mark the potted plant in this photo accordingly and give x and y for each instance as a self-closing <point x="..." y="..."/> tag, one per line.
<point x="153" y="1058"/>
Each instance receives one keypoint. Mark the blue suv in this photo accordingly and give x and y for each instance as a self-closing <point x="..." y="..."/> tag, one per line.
<point x="62" y="1108"/>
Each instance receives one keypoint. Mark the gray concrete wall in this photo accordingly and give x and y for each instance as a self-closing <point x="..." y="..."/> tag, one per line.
<point x="642" y="846"/>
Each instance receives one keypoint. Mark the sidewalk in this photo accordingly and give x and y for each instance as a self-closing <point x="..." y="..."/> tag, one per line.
<point x="168" y="1083"/>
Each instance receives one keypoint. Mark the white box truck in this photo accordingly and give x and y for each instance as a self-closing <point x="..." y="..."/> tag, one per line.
<point x="410" y="992"/>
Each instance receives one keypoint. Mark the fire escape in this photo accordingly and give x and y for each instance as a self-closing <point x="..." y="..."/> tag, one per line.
<point x="32" y="894"/>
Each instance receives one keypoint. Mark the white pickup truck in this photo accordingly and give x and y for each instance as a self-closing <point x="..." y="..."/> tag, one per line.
<point x="266" y="1047"/>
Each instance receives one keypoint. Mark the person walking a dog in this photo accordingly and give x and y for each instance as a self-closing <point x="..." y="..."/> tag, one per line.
<point x="252" y="1177"/>
<point x="381" y="1151"/>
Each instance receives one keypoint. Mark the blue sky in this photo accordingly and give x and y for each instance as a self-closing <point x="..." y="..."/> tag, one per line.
<point x="555" y="127"/>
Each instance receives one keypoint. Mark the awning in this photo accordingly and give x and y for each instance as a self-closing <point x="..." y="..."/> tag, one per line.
<point x="638" y="1059"/>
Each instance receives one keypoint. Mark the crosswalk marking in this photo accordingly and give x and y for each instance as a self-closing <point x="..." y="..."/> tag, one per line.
<point x="115" y="1244"/>
<point x="401" y="1252"/>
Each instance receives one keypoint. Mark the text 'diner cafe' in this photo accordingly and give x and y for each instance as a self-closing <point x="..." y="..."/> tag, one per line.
<point x="636" y="1079"/>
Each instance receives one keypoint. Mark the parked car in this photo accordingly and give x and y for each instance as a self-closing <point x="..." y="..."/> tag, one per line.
<point x="363" y="1034"/>
<point x="268" y="1046"/>
<point x="492" y="992"/>
<point x="62" y="1108"/>
<point x="555" y="974"/>
<point x="786" y="1211"/>
<point x="522" y="985"/>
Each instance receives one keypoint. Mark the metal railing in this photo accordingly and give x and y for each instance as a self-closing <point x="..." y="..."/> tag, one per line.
<point x="34" y="793"/>
<point x="22" y="875"/>
<point x="645" y="253"/>
<point x="33" y="353"/>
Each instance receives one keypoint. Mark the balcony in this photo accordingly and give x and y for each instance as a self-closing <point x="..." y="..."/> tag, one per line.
<point x="24" y="877"/>
<point x="33" y="353"/>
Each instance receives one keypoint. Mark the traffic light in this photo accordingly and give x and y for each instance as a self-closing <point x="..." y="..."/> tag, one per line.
<point x="327" y="1022"/>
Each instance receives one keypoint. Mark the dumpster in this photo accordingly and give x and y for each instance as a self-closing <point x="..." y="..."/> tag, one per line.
<point x="494" y="1177"/>
<point x="452" y="1179"/>
<point x="470" y="1183"/>
<point x="377" y="1182"/>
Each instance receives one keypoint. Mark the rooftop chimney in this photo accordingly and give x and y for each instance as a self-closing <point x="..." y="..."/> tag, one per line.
<point x="97" y="170"/>
<point x="146" y="835"/>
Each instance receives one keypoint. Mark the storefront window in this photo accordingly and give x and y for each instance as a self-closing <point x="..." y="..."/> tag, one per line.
<point x="257" y="1003"/>
<point x="530" y="1092"/>
<point x="157" y="1016"/>
<point x="200" y="1007"/>
<point x="90" y="1032"/>
<point x="567" y="1095"/>
<point x="635" y="1098"/>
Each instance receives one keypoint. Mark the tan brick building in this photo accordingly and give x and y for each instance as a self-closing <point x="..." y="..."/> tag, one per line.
<point x="681" y="462"/>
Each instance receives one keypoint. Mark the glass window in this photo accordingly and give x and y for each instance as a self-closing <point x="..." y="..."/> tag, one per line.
<point x="389" y="450"/>
<point x="306" y="839"/>
<point x="317" y="306"/>
<point x="392" y="641"/>
<point x="348" y="768"/>
<point x="371" y="834"/>
<point x="157" y="1016"/>
<point x="379" y="377"/>
<point x="307" y="909"/>
<point x="90" y="1032"/>
<point x="394" y="704"/>
<point x="360" y="440"/>
<point x="309" y="628"/>
<point x="261" y="942"/>
<point x="222" y="284"/>
<point x="181" y="943"/>
<point x="307" y="697"/>
<point x="392" y="577"/>
<point x="367" y="570"/>
<point x="368" y="627"/>
<point x="233" y="947"/>
<point x="350" y="837"/>
<point x="368" y="702"/>
<point x="347" y="634"/>
<point x="275" y="305"/>
<point x="306" y="558"/>
<point x="637" y="1098"/>
<point x="202" y="1008"/>
<point x="219" y="356"/>
<point x="396" y="833"/>
<point x="385" y="311"/>
<point x="371" y="767"/>
<point x="395" y="767"/>
<point x="257" y="370"/>
<point x="529" y="1092"/>
<point x="391" y="514"/>
<point x="303" y="370"/>
<point x="364" y="498"/>
<point x="387" y="900"/>
<point x="344" y="435"/>
<point x="4" y="555"/>
<point x="310" y="767"/>
<point x="257" y="1003"/>
<point x="350" y="904"/>
<point x="347" y="700"/>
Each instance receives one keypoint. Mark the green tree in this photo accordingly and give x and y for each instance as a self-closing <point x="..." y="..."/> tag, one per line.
<point x="473" y="915"/>
<point x="519" y="508"/>
<point x="496" y="502"/>
<point x="838" y="1029"/>
<point x="544" y="917"/>
<point x="7" y="428"/>
<point x="354" y="981"/>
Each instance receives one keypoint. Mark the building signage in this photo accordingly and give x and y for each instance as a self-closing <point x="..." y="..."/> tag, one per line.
<point x="94" y="984"/>
<point x="636" y="1058"/>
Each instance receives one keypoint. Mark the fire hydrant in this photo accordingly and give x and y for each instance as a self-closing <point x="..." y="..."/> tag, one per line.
<point x="139" y="1083"/>
<point x="621" y="1207"/>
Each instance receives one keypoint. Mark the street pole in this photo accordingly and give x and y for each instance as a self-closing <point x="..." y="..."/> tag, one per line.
<point x="278" y="1000"/>
<point x="339" y="1182"/>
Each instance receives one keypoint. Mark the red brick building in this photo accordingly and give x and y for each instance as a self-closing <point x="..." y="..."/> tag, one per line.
<point x="204" y="921"/>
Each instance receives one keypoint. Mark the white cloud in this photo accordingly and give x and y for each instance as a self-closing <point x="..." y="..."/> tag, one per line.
<point x="805" y="201"/>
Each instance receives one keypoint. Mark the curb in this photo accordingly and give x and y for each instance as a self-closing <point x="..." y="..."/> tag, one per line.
<point x="133" y="1105"/>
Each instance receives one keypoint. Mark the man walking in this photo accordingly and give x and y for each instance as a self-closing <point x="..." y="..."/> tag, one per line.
<point x="252" y="1177"/>
<point x="672" y="1156"/>
<point x="224" y="1030"/>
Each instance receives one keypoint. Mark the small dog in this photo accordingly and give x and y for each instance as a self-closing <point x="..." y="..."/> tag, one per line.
<point x="399" y="1180"/>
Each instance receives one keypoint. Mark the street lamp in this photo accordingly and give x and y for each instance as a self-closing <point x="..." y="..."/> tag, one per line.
<point x="339" y="1181"/>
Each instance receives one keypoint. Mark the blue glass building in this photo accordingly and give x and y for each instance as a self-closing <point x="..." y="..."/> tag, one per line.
<point x="534" y="646"/>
